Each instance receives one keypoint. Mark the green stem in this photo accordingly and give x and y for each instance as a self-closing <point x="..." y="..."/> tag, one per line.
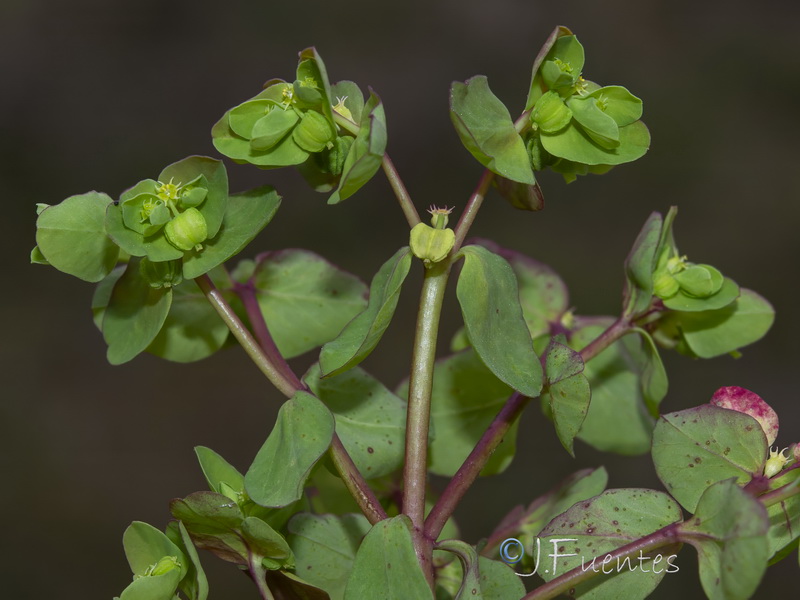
<point x="471" y="210"/>
<point x="259" y="575"/>
<point x="398" y="187"/>
<point x="245" y="338"/>
<point x="282" y="377"/>
<point x="419" y="408"/>
<point x="780" y="494"/>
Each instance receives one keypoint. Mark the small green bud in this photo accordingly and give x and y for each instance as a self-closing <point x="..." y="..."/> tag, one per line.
<point x="231" y="493"/>
<point x="193" y="196"/>
<point x="161" y="274"/>
<point x="187" y="230"/>
<point x="431" y="245"/>
<point x="313" y="133"/>
<point x="550" y="113"/>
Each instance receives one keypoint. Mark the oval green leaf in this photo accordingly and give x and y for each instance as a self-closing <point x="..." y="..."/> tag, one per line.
<point x="489" y="297"/>
<point x="302" y="434"/>
<point x="386" y="567"/>
<point x="134" y="316"/>
<point x="370" y="420"/>
<point x="247" y="214"/>
<point x="485" y="127"/>
<point x="359" y="338"/>
<point x="71" y="236"/>
<point x="697" y="447"/>
<point x="306" y="301"/>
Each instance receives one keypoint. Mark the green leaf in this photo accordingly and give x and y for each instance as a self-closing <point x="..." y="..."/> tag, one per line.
<point x="305" y="300"/>
<point x="713" y="333"/>
<point x="564" y="62"/>
<point x="528" y="522"/>
<point x="195" y="584"/>
<point x="471" y="577"/>
<point x="537" y="87"/>
<point x="600" y="127"/>
<point x="272" y="128"/>
<point x="465" y="399"/>
<point x="370" y="420"/>
<point x="639" y="267"/>
<point x="386" y="567"/>
<point x="267" y="543"/>
<point x="567" y="392"/>
<point x="489" y="297"/>
<point x="654" y="380"/>
<point x="217" y="470"/>
<point x="359" y="338"/>
<point x="302" y="434"/>
<point x="593" y="528"/>
<point x="616" y="397"/>
<point x="543" y="294"/>
<point x="285" y="584"/>
<point x="572" y="143"/>
<point x="71" y="236"/>
<point x="160" y="587"/>
<point x="485" y="127"/>
<point x="619" y="104"/>
<point x="694" y="448"/>
<point x="724" y="297"/>
<point x="145" y="546"/>
<point x="248" y="213"/>
<point x="351" y="95"/>
<point x="728" y="531"/>
<point x="192" y="330"/>
<point x="134" y="316"/>
<point x="325" y="547"/>
<point x="366" y="154"/>
<point x="520" y="195"/>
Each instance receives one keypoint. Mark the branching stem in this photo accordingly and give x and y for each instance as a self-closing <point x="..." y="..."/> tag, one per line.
<point x="493" y="436"/>
<point x="282" y="377"/>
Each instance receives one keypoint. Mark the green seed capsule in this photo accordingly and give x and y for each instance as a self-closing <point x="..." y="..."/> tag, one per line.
<point x="431" y="245"/>
<point x="550" y="113"/>
<point x="314" y="132"/>
<point x="161" y="274"/>
<point x="665" y="286"/>
<point x="333" y="159"/>
<point x="187" y="230"/>
<point x="700" y="281"/>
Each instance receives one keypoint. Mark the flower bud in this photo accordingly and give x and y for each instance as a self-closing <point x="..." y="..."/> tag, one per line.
<point x="700" y="281"/>
<point x="431" y="245"/>
<point x="313" y="133"/>
<point x="187" y="230"/>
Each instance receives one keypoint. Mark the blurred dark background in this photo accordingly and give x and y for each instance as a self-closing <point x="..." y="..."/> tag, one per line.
<point x="99" y="95"/>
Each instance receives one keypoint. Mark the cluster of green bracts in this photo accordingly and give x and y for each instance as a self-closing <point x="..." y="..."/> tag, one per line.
<point x="145" y="248"/>
<point x="577" y="126"/>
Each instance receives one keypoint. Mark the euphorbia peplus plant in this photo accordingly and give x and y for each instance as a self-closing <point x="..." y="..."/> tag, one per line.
<point x="362" y="523"/>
